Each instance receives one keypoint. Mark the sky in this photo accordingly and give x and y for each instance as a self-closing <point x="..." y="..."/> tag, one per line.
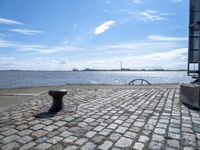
<point x="66" y="34"/>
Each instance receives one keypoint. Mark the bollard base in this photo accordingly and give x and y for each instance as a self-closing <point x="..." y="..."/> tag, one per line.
<point x="190" y="95"/>
<point x="45" y="115"/>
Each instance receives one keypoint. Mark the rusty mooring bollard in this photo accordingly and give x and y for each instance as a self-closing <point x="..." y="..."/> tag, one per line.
<point x="57" y="100"/>
<point x="57" y="104"/>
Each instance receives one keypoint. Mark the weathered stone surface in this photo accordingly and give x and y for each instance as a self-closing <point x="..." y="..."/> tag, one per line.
<point x="138" y="146"/>
<point x="70" y="139"/>
<point x="124" y="142"/>
<point x="10" y="146"/>
<point x="10" y="139"/>
<point x="65" y="134"/>
<point x="88" y="146"/>
<point x="55" y="139"/>
<point x="43" y="146"/>
<point x="121" y="129"/>
<point x="39" y="133"/>
<point x="90" y="134"/>
<point x="81" y="141"/>
<point x="50" y="128"/>
<point x="9" y="132"/>
<point x="27" y="146"/>
<point x="98" y="128"/>
<point x="106" y="118"/>
<point x="25" y="139"/>
<point x="106" y="145"/>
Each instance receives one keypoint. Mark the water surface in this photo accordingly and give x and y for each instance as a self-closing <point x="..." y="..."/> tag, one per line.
<point x="12" y="79"/>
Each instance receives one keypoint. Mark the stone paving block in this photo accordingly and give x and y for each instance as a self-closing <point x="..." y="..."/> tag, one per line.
<point x="188" y="148"/>
<point x="10" y="139"/>
<point x="138" y="146"/>
<point x="143" y="139"/>
<point x="22" y="127"/>
<point x="106" y="145"/>
<point x="41" y="139"/>
<point x="71" y="147"/>
<point x="113" y="126"/>
<point x="88" y="146"/>
<point x="90" y="134"/>
<point x="115" y="136"/>
<point x="43" y="146"/>
<point x="88" y="120"/>
<point x="70" y="139"/>
<point x="55" y="140"/>
<point x="159" y="131"/>
<point x="37" y="127"/>
<point x="25" y="132"/>
<point x="47" y="122"/>
<point x="121" y="129"/>
<point x="173" y="135"/>
<point x="155" y="146"/>
<point x="131" y="135"/>
<point x="9" y="132"/>
<point x="60" y="123"/>
<point x="173" y="143"/>
<point x="27" y="146"/>
<point x="34" y="122"/>
<point x="81" y="141"/>
<point x="10" y="146"/>
<point x="50" y="128"/>
<point x="105" y="132"/>
<point x="174" y="130"/>
<point x="25" y="139"/>
<point x="39" y="133"/>
<point x="158" y="138"/>
<point x="118" y="121"/>
<point x="124" y="142"/>
<point x="98" y="128"/>
<point x="66" y="134"/>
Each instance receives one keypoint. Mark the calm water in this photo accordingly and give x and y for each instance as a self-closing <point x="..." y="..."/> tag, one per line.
<point x="12" y="79"/>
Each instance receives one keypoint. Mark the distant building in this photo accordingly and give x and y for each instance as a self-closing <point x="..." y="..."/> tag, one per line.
<point x="74" y="69"/>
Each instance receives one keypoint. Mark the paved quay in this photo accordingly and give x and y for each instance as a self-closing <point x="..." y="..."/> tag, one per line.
<point x="103" y="117"/>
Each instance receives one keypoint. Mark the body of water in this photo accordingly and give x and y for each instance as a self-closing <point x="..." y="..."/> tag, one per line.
<point x="13" y="79"/>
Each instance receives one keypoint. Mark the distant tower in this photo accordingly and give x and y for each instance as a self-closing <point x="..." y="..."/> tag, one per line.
<point x="121" y="65"/>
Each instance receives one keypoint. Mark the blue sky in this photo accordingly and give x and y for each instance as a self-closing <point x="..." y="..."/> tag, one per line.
<point x="66" y="34"/>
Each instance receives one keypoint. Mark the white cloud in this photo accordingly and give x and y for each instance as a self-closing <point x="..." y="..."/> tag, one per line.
<point x="7" y="61"/>
<point x="139" y="47"/>
<point x="170" y="59"/>
<point x="26" y="31"/>
<point x="108" y="2"/>
<point x="104" y="27"/>
<point x="20" y="47"/>
<point x="166" y="38"/>
<point x="137" y="1"/>
<point x="151" y="16"/>
<point x="171" y="54"/>
<point x="10" y="22"/>
<point x="176" y="1"/>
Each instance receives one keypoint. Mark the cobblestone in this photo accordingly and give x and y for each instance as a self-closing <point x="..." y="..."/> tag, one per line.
<point x="107" y="118"/>
<point x="124" y="142"/>
<point x="43" y="146"/>
<point x="106" y="145"/>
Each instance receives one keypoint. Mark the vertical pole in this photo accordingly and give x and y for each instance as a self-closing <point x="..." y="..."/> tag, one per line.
<point x="198" y="23"/>
<point x="121" y="65"/>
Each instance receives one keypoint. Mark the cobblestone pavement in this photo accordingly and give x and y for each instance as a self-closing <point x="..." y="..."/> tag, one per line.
<point x="123" y="118"/>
